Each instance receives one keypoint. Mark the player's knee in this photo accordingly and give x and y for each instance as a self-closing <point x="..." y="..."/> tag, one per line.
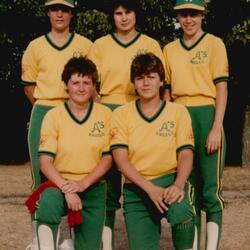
<point x="50" y="206"/>
<point x="187" y="221"/>
<point x="185" y="224"/>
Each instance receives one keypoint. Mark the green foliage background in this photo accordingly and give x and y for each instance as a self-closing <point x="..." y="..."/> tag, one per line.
<point x="23" y="20"/>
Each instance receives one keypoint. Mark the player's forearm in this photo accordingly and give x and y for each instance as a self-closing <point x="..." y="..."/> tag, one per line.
<point x="50" y="171"/>
<point x="99" y="171"/>
<point x="184" y="167"/>
<point x="220" y="104"/>
<point x="29" y="91"/>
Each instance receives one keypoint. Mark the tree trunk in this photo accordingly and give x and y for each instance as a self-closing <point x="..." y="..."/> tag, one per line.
<point x="246" y="139"/>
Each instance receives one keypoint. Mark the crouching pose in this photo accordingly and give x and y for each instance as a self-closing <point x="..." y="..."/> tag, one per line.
<point x="74" y="155"/>
<point x="152" y="144"/>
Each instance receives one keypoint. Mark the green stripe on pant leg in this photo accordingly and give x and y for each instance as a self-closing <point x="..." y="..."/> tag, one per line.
<point x="208" y="169"/>
<point x="37" y="115"/>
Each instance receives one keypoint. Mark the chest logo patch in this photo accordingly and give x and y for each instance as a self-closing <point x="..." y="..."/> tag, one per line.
<point x="166" y="129"/>
<point x="97" y="129"/>
<point x="199" y="57"/>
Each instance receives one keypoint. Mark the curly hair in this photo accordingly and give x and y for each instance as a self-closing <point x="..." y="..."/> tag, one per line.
<point x="80" y="65"/>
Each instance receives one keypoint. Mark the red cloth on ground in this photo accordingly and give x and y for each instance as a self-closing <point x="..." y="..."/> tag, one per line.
<point x="74" y="217"/>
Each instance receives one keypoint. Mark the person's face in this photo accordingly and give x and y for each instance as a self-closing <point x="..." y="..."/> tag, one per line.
<point x="80" y="88"/>
<point x="60" y="16"/>
<point x="190" y="21"/>
<point x="125" y="20"/>
<point x="148" y="85"/>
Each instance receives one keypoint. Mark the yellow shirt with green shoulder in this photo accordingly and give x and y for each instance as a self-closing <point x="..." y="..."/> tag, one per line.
<point x="77" y="146"/>
<point x="152" y="144"/>
<point x="194" y="71"/>
<point x="43" y="63"/>
<point x="113" y="60"/>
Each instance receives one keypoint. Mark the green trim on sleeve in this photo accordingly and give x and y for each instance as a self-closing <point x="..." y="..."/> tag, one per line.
<point x="186" y="146"/>
<point x="221" y="79"/>
<point x="106" y="153"/>
<point x="46" y="153"/>
<point x="115" y="146"/>
<point x="24" y="83"/>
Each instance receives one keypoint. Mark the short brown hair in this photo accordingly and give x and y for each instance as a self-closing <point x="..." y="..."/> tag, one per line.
<point x="145" y="64"/>
<point x="80" y="65"/>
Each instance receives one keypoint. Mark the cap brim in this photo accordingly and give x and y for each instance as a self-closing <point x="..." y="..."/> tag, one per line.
<point x="189" y="6"/>
<point x="59" y="2"/>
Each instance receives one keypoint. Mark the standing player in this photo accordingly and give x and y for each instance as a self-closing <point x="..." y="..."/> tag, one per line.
<point x="152" y="143"/>
<point x="42" y="65"/>
<point x="113" y="55"/>
<point x="74" y="154"/>
<point x="197" y="70"/>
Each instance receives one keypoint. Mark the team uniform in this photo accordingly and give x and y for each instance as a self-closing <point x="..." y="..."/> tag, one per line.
<point x="153" y="144"/>
<point x="113" y="59"/>
<point x="42" y="66"/>
<point x="77" y="146"/>
<point x="193" y="73"/>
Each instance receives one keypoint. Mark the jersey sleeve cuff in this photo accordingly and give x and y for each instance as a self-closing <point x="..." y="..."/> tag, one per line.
<point x="221" y="79"/>
<point x="40" y="153"/>
<point x="186" y="146"/>
<point x="115" y="146"/>
<point x="25" y="83"/>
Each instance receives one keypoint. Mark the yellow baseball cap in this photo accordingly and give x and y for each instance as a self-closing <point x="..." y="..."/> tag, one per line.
<point x="190" y="4"/>
<point x="69" y="3"/>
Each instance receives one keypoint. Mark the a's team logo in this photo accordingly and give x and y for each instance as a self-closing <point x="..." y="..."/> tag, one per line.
<point x="97" y="130"/>
<point x="199" y="57"/>
<point x="166" y="129"/>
